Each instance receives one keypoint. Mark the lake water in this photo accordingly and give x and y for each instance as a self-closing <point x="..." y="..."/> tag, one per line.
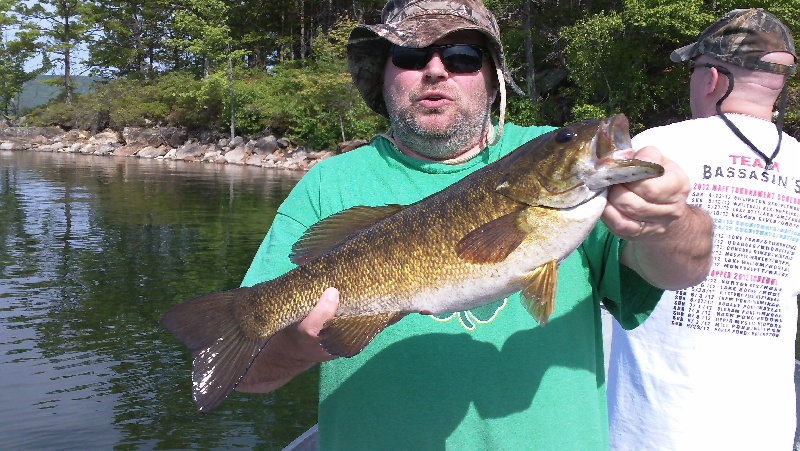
<point x="93" y="251"/>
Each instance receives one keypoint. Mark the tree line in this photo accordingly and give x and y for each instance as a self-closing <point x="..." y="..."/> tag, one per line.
<point x="279" y="64"/>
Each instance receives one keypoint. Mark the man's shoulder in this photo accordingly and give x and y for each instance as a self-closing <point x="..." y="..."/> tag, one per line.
<point x="791" y="140"/>
<point x="513" y="130"/>
<point x="676" y="133"/>
<point x="359" y="155"/>
<point x="514" y="135"/>
<point x="688" y="124"/>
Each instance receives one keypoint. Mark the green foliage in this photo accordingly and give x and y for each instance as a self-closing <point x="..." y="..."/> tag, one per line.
<point x="289" y="73"/>
<point x="203" y="29"/>
<point x="619" y="58"/>
<point x="15" y="54"/>
<point x="251" y="89"/>
<point x="59" y="28"/>
<point x="174" y="99"/>
<point x="132" y="42"/>
<point x="520" y="110"/>
<point x="583" y="112"/>
<point x="611" y="74"/>
<point x="134" y="102"/>
<point x="315" y="104"/>
<point x="590" y="44"/>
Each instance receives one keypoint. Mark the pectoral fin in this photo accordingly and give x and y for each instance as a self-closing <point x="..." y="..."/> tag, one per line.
<point x="346" y="336"/>
<point x="493" y="241"/>
<point x="539" y="291"/>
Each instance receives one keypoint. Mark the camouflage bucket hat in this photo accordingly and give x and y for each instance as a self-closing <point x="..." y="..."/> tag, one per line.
<point x="415" y="23"/>
<point x="742" y="37"/>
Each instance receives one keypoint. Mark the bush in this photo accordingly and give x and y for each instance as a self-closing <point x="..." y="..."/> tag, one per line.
<point x="313" y="102"/>
<point x="316" y="102"/>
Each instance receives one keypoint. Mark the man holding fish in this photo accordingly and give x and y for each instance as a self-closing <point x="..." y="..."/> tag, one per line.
<point x="432" y="302"/>
<point x="713" y="367"/>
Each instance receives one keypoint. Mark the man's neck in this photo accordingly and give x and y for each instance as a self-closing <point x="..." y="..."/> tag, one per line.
<point x="736" y="104"/>
<point x="757" y="112"/>
<point x="466" y="155"/>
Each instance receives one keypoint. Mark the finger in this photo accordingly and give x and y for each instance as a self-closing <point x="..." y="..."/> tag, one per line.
<point x="672" y="186"/>
<point x="620" y="224"/>
<point x="626" y="203"/>
<point x="649" y="153"/>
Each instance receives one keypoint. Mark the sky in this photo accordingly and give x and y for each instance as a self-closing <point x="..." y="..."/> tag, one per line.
<point x="77" y="58"/>
<point x="76" y="67"/>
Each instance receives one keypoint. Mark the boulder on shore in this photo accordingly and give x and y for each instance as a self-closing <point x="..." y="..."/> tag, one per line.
<point x="170" y="143"/>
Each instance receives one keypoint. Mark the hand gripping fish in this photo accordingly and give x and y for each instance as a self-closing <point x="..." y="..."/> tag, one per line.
<point x="501" y="229"/>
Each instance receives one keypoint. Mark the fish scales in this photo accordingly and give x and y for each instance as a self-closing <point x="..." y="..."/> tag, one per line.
<point x="402" y="268"/>
<point x="406" y="271"/>
<point x="502" y="229"/>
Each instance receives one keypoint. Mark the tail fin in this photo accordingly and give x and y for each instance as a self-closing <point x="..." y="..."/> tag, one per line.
<point x="222" y="352"/>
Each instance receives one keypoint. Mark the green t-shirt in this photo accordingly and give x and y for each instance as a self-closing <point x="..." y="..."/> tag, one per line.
<point x="488" y="378"/>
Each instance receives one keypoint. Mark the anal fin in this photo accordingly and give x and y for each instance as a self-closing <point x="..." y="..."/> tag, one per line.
<point x="539" y="291"/>
<point x="346" y="336"/>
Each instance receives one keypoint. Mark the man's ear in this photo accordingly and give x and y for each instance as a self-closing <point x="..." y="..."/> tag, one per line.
<point x="715" y="81"/>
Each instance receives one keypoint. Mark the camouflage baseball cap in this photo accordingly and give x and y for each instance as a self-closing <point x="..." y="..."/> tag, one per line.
<point x="742" y="37"/>
<point x="415" y="23"/>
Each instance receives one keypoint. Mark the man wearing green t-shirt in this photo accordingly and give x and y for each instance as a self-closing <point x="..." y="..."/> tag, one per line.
<point x="487" y="378"/>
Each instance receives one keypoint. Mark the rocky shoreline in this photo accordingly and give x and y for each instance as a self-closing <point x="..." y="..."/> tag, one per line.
<point x="171" y="143"/>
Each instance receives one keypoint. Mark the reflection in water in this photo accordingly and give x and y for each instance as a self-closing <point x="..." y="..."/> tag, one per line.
<point x="93" y="250"/>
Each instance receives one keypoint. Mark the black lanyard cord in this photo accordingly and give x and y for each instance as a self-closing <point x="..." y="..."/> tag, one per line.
<point x="768" y="160"/>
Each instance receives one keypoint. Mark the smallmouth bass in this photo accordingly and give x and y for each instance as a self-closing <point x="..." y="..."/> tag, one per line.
<point x="501" y="229"/>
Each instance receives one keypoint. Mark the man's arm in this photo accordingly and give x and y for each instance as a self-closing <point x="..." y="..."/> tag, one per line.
<point x="669" y="241"/>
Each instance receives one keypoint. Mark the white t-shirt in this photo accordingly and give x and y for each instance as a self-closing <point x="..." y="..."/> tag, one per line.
<point x="713" y="367"/>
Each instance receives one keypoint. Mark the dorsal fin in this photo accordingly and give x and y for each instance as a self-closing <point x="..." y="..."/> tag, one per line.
<point x="330" y="232"/>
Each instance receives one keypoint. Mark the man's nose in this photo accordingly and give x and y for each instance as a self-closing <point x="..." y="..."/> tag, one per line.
<point x="435" y="67"/>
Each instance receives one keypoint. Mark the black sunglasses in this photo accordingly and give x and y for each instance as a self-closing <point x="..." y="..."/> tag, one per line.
<point x="457" y="58"/>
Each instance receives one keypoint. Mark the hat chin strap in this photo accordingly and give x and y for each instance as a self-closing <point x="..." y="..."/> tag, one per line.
<point x="779" y="125"/>
<point x="501" y="120"/>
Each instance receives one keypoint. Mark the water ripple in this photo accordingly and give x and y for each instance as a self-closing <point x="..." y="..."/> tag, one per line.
<point x="92" y="253"/>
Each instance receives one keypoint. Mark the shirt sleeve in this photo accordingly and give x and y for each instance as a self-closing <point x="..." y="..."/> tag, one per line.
<point x="626" y="295"/>
<point x="298" y="212"/>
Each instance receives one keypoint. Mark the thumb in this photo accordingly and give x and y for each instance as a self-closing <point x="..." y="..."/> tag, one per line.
<point x="322" y="312"/>
<point x="329" y="301"/>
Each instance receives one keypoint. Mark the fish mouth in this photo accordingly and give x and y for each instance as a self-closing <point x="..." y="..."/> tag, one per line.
<point x="613" y="138"/>
<point x="614" y="162"/>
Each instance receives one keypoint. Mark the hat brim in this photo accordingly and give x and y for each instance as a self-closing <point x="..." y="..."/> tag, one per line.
<point x="684" y="53"/>
<point x="423" y="31"/>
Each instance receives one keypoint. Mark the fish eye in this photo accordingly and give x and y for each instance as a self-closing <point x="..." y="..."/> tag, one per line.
<point x="564" y="136"/>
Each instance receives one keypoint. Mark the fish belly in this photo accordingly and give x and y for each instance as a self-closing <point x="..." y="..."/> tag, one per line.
<point x="485" y="283"/>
